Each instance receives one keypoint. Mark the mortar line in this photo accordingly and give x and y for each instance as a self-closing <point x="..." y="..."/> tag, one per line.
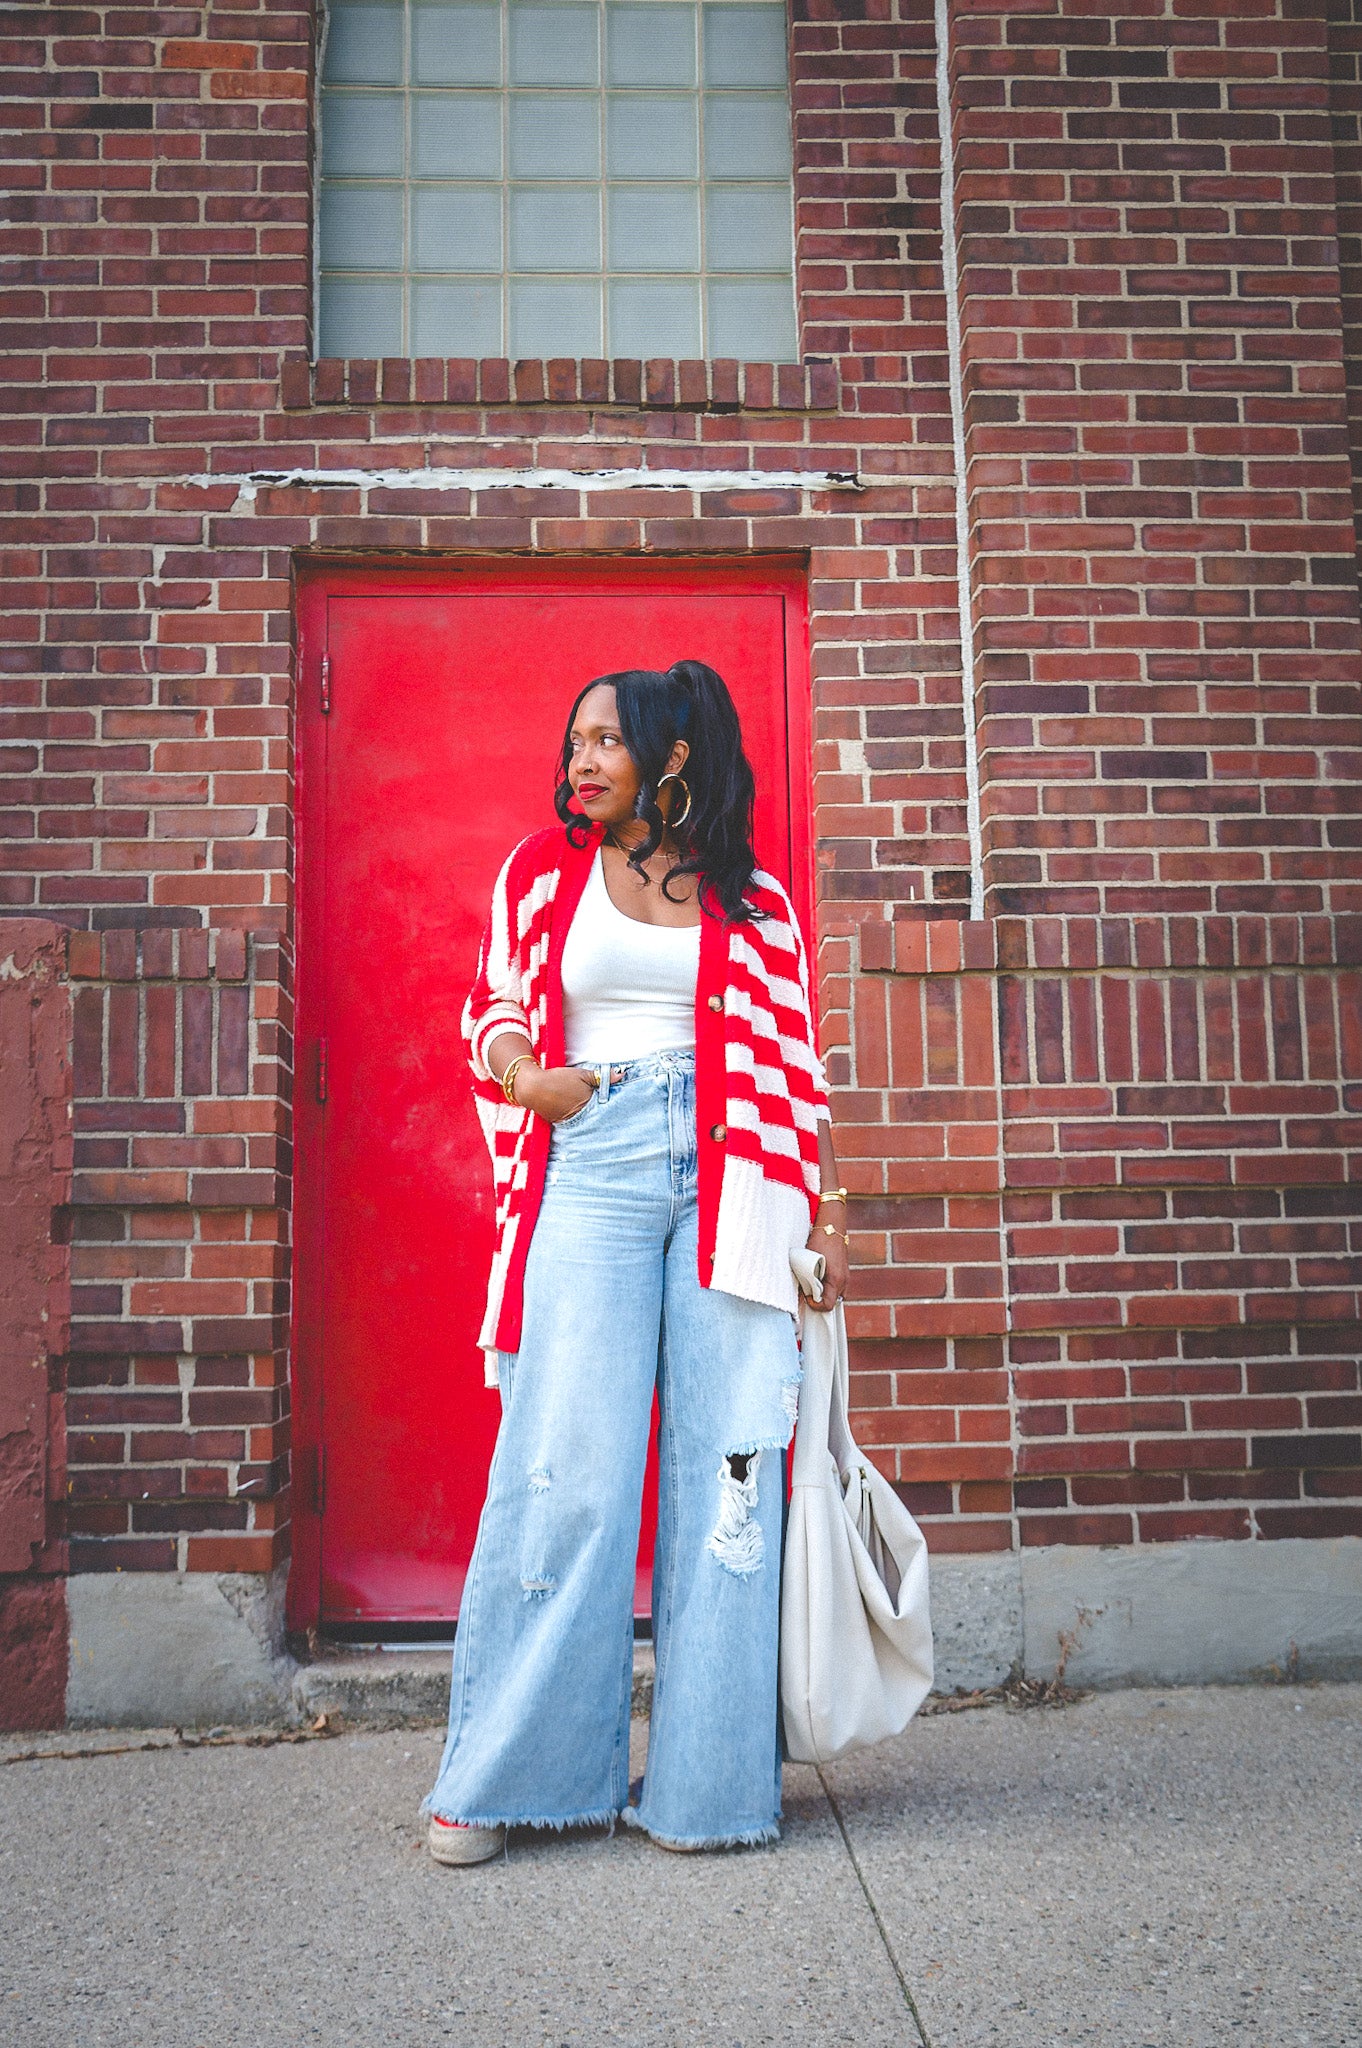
<point x="950" y="280"/>
<point x="875" y="1914"/>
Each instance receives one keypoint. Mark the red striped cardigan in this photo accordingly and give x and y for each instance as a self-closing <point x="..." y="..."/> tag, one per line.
<point x="760" y="1091"/>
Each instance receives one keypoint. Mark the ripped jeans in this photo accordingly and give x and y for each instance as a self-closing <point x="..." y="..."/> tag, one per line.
<point x="543" y="1659"/>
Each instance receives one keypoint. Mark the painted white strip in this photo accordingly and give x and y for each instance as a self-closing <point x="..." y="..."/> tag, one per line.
<point x="588" y="480"/>
<point x="950" y="271"/>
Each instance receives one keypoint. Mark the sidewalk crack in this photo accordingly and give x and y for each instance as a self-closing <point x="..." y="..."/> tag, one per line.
<point x="875" y="1915"/>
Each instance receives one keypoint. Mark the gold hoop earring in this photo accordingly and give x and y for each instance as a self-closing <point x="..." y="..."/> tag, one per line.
<point x="674" y="777"/>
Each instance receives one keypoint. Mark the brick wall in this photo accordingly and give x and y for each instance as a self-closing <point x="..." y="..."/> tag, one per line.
<point x="1182" y="1270"/>
<point x="164" y="234"/>
<point x="920" y="1143"/>
<point x="177" y="1409"/>
<point x="1163" y="566"/>
<point x="1160" y="489"/>
<point x="1104" y="1287"/>
<point x="1107" y="1276"/>
<point x="1345" y="110"/>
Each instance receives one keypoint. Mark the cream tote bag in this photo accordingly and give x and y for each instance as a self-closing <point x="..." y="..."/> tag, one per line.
<point x="855" y="1627"/>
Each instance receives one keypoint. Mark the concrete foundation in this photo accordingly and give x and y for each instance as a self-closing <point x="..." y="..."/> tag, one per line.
<point x="152" y="1649"/>
<point x="977" y="1627"/>
<point x="1167" y="1614"/>
<point x="196" y="1650"/>
<point x="1195" y="1613"/>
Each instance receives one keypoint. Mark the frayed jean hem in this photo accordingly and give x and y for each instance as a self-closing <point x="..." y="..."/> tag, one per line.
<point x="749" y="1838"/>
<point x="600" y="1816"/>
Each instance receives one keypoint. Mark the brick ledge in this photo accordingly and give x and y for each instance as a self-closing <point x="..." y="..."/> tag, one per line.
<point x="663" y="384"/>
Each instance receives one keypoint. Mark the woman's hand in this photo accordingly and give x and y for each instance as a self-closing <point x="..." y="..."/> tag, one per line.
<point x="834" y="1254"/>
<point x="832" y="1209"/>
<point x="552" y="1092"/>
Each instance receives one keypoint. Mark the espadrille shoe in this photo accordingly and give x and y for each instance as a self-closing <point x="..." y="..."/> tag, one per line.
<point x="452" y="1841"/>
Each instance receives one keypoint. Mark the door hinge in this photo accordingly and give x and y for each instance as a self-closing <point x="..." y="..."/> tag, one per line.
<point x="321" y="1070"/>
<point x="317" y="1478"/>
<point x="326" y="682"/>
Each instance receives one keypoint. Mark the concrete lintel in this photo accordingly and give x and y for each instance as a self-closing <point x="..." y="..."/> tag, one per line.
<point x="177" y="1649"/>
<point x="438" y="477"/>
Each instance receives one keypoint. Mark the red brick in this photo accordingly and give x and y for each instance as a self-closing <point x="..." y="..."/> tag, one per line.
<point x="626" y="381"/>
<point x="659" y="382"/>
<point x="258" y="85"/>
<point x="233" y="1553"/>
<point x="83" y="955"/>
<point x="186" y="55"/>
<point x="529" y="383"/>
<point x="295" y="383"/>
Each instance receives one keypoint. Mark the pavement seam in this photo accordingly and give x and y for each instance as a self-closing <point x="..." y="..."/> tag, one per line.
<point x="875" y="1914"/>
<point x="227" y="1738"/>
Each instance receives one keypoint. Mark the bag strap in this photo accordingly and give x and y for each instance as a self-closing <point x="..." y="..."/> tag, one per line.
<point x="841" y="1442"/>
<point x="824" y="1424"/>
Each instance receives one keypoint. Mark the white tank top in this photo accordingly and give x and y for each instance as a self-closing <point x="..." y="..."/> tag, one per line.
<point x="628" y="988"/>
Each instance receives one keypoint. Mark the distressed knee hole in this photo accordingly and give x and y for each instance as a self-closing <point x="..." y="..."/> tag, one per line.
<point x="538" y="1588"/>
<point x="539" y="1479"/>
<point x="737" y="1540"/>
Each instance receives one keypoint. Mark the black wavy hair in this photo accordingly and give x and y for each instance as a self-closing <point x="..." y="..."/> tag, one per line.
<point x="689" y="701"/>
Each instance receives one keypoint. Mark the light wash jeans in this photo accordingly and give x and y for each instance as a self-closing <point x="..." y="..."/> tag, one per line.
<point x="543" y="1658"/>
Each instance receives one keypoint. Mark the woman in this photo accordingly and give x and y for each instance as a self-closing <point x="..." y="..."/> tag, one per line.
<point x="647" y="1078"/>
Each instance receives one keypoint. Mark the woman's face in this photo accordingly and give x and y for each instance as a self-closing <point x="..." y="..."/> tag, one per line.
<point x="601" y="769"/>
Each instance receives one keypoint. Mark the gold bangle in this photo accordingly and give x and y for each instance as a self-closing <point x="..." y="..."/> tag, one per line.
<point x="831" y="1195"/>
<point x="509" y="1074"/>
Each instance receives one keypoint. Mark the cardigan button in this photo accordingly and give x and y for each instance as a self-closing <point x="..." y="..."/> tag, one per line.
<point x="716" y="1002"/>
<point x="718" y="1132"/>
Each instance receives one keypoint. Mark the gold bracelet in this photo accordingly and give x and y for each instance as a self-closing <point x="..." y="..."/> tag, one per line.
<point x="831" y="1230"/>
<point x="508" y="1076"/>
<point x="831" y="1195"/>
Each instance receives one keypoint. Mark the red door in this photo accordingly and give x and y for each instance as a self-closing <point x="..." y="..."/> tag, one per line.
<point x="447" y="692"/>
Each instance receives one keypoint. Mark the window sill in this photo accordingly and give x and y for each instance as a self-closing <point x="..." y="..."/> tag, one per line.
<point x="660" y="384"/>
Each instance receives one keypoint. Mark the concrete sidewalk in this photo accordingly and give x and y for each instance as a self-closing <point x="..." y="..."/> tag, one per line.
<point x="1173" y="1869"/>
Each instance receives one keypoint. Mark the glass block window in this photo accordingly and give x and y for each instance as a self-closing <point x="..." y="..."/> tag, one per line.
<point x="556" y="178"/>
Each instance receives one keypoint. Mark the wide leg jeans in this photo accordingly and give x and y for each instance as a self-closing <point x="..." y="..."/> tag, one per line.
<point x="543" y="1660"/>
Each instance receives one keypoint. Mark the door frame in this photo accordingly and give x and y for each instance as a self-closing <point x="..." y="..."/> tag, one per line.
<point x="316" y="581"/>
